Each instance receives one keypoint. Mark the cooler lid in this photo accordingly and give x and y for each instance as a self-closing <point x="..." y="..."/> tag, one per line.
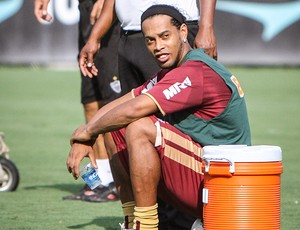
<point x="243" y="153"/>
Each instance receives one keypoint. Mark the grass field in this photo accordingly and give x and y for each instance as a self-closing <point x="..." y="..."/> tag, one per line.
<point x="40" y="108"/>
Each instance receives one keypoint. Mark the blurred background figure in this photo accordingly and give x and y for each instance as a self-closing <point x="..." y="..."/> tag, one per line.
<point x="95" y="92"/>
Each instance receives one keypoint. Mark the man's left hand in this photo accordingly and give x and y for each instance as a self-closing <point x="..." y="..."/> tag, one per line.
<point x="77" y="153"/>
<point x="206" y="40"/>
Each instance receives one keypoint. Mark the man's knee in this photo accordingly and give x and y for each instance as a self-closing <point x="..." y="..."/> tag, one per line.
<point x="142" y="128"/>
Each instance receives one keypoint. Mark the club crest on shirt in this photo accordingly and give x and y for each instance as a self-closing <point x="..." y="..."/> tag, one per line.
<point x="177" y="88"/>
<point x="115" y="85"/>
<point x="151" y="83"/>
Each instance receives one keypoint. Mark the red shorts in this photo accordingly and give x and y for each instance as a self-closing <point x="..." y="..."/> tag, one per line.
<point x="181" y="176"/>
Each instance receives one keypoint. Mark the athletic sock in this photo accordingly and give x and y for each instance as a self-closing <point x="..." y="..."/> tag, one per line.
<point x="146" y="218"/>
<point x="104" y="171"/>
<point x="128" y="210"/>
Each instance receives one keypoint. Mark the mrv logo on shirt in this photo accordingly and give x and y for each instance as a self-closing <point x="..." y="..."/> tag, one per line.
<point x="176" y="88"/>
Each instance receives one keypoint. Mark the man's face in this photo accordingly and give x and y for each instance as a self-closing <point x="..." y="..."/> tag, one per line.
<point x="164" y="40"/>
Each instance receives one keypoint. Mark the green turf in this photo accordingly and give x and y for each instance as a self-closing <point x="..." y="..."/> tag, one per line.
<point x="39" y="109"/>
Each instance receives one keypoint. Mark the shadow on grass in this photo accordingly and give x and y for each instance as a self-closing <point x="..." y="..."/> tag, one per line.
<point x="71" y="188"/>
<point x="108" y="223"/>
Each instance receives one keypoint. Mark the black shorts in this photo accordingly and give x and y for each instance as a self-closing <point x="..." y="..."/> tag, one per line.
<point x="106" y="86"/>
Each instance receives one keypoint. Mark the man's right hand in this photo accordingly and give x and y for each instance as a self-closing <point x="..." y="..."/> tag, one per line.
<point x="86" y="58"/>
<point x="40" y="10"/>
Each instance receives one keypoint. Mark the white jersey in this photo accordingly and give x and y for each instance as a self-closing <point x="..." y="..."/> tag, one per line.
<point x="129" y="12"/>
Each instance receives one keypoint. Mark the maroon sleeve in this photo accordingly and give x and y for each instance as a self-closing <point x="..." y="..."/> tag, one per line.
<point x="180" y="88"/>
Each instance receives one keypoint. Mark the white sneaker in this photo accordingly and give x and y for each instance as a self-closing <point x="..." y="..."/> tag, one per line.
<point x="197" y="225"/>
<point x="123" y="227"/>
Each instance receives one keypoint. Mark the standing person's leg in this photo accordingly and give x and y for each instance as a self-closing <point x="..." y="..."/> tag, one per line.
<point x="106" y="191"/>
<point x="94" y="93"/>
<point x="106" y="88"/>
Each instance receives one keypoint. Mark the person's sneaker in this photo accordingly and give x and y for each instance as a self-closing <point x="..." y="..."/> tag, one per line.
<point x="78" y="195"/>
<point x="123" y="227"/>
<point x="198" y="225"/>
<point x="102" y="194"/>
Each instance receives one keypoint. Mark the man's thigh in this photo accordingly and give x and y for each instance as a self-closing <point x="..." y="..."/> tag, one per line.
<point x="182" y="178"/>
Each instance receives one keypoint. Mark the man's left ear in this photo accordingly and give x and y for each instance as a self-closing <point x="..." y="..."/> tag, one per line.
<point x="184" y="32"/>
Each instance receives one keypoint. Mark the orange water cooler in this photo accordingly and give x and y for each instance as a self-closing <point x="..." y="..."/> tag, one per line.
<point x="242" y="187"/>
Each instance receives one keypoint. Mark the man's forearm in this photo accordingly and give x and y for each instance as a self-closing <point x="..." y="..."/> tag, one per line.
<point x="105" y="109"/>
<point x="104" y="22"/>
<point x="122" y="114"/>
<point x="207" y="12"/>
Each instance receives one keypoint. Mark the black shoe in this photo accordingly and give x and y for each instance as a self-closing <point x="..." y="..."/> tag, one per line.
<point x="77" y="196"/>
<point x="103" y="194"/>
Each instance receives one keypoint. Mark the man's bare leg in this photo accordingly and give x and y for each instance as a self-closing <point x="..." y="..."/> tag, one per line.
<point x="145" y="169"/>
<point x="122" y="182"/>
